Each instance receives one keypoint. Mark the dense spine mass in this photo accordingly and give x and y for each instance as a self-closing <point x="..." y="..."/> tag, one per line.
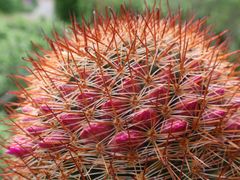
<point x="133" y="97"/>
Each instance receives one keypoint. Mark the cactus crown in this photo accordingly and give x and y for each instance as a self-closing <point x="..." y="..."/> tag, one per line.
<point x="134" y="96"/>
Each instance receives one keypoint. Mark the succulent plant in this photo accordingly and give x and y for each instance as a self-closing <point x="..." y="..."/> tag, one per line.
<point x="131" y="97"/>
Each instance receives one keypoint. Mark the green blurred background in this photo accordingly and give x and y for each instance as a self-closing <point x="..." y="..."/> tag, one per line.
<point x="26" y="21"/>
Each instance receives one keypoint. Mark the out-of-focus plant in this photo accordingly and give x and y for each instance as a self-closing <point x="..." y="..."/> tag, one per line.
<point x="66" y="8"/>
<point x="16" y="35"/>
<point x="12" y="6"/>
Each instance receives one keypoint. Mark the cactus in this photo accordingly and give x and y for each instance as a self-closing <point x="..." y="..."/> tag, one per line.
<point x="132" y="97"/>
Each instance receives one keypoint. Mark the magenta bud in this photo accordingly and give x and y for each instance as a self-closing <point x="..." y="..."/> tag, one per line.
<point x="102" y="80"/>
<point x="125" y="140"/>
<point x="67" y="88"/>
<point x="233" y="124"/>
<point x="20" y="147"/>
<point x="187" y="107"/>
<point x="235" y="102"/>
<point x="71" y="120"/>
<point x="165" y="76"/>
<point x="56" y="139"/>
<point x="29" y="110"/>
<point x="139" y="70"/>
<point x="45" y="108"/>
<point x="174" y="125"/>
<point x="130" y="85"/>
<point x="113" y="105"/>
<point x="216" y="95"/>
<point x="158" y="95"/>
<point x="219" y="92"/>
<point x="95" y="132"/>
<point x="213" y="115"/>
<point x="87" y="98"/>
<point x="145" y="116"/>
<point x="40" y="99"/>
<point x="36" y="130"/>
<point x="49" y="108"/>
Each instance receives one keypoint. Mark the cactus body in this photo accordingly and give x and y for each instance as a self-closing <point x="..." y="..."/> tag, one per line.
<point x="133" y="97"/>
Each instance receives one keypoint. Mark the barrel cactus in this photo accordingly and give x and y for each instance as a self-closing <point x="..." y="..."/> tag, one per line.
<point x="131" y="97"/>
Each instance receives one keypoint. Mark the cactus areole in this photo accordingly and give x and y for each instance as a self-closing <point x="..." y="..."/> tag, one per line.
<point x="129" y="97"/>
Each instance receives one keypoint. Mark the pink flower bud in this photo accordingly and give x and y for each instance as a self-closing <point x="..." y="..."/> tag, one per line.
<point x="233" y="123"/>
<point x="41" y="99"/>
<point x="165" y="76"/>
<point x="67" y="88"/>
<point x="48" y="109"/>
<point x="174" y="125"/>
<point x="113" y="105"/>
<point x="235" y="102"/>
<point x="36" y="130"/>
<point x="95" y="132"/>
<point x="29" y="110"/>
<point x="158" y="95"/>
<point x="215" y="95"/>
<point x="145" y="116"/>
<point x="102" y="80"/>
<point x="138" y="70"/>
<point x="45" y="108"/>
<point x="55" y="140"/>
<point x="21" y="146"/>
<point x="87" y="98"/>
<point x="130" y="85"/>
<point x="214" y="114"/>
<point x="124" y="140"/>
<point x="187" y="107"/>
<point x="71" y="120"/>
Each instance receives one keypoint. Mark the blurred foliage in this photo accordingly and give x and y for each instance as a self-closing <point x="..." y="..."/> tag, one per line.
<point x="13" y="6"/>
<point x="79" y="8"/>
<point x="16" y="35"/>
<point x="64" y="8"/>
<point x="10" y="6"/>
